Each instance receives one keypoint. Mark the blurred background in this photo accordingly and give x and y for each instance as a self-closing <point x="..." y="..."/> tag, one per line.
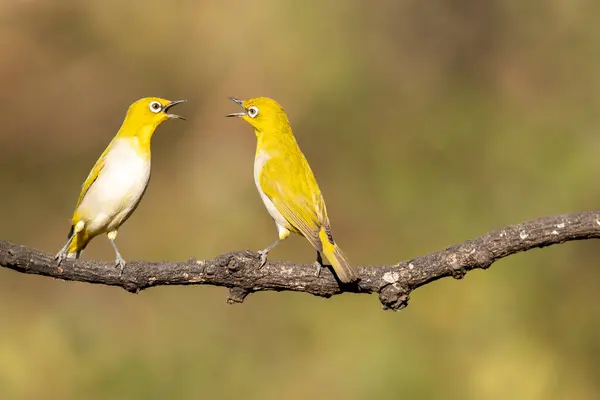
<point x="426" y="123"/>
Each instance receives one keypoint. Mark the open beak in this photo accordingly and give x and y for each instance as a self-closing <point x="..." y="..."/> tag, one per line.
<point x="241" y="103"/>
<point x="171" y="104"/>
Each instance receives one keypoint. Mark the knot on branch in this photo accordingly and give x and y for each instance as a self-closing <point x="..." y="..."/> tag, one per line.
<point x="463" y="258"/>
<point x="237" y="295"/>
<point x="241" y="261"/>
<point x="394" y="297"/>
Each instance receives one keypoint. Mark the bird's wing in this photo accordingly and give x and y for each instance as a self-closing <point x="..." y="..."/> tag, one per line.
<point x="93" y="175"/>
<point x="290" y="184"/>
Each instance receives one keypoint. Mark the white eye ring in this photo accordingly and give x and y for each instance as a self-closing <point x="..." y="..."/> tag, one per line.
<point x="252" y="112"/>
<point x="155" y="107"/>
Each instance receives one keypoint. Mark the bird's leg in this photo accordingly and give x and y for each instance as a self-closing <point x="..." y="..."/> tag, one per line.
<point x="119" y="261"/>
<point x="283" y="234"/>
<point x="318" y="264"/>
<point x="62" y="254"/>
<point x="265" y="252"/>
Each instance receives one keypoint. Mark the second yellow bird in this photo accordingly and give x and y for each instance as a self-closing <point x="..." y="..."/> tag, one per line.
<point x="287" y="185"/>
<point x="116" y="184"/>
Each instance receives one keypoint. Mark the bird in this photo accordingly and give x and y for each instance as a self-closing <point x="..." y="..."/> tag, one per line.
<point x="118" y="180"/>
<point x="288" y="186"/>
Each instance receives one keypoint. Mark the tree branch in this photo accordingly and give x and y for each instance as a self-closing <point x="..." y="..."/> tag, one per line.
<point x="238" y="270"/>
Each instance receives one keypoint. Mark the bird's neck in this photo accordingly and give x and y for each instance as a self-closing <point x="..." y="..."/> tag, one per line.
<point x="140" y="138"/>
<point x="271" y="140"/>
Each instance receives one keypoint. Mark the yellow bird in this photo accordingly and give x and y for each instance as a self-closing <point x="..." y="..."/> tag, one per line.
<point x="116" y="184"/>
<point x="287" y="185"/>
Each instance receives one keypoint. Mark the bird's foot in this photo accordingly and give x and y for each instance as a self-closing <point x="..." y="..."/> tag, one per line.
<point x="60" y="257"/>
<point x="120" y="263"/>
<point x="263" y="258"/>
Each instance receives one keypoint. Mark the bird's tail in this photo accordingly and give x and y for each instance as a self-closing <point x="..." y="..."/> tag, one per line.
<point x="77" y="244"/>
<point x="74" y="254"/>
<point x="336" y="257"/>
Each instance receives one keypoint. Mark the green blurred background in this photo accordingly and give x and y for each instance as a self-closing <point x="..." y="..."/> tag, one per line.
<point x="426" y="123"/>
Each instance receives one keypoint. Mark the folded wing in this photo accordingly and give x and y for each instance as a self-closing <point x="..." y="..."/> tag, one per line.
<point x="291" y="186"/>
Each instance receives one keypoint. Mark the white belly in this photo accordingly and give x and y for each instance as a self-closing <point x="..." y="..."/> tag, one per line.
<point x="118" y="189"/>
<point x="282" y="224"/>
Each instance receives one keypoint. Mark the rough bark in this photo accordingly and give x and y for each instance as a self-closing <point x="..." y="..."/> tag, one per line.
<point x="238" y="271"/>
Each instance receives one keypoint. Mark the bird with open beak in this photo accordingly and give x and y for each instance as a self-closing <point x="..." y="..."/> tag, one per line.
<point x="118" y="180"/>
<point x="288" y="186"/>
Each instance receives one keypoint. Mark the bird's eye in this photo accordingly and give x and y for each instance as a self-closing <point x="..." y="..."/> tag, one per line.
<point x="155" y="106"/>
<point x="252" y="112"/>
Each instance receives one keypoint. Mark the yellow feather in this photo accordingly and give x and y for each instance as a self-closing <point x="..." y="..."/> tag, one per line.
<point x="92" y="176"/>
<point x="287" y="181"/>
<point x="118" y="180"/>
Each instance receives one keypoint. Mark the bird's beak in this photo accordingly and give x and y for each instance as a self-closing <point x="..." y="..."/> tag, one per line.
<point x="171" y="104"/>
<point x="241" y="103"/>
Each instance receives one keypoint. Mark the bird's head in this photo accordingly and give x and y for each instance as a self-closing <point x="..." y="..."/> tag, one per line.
<point x="145" y="115"/>
<point x="151" y="111"/>
<point x="262" y="113"/>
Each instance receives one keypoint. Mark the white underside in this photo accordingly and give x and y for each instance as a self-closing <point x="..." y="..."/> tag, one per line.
<point x="282" y="224"/>
<point x="118" y="189"/>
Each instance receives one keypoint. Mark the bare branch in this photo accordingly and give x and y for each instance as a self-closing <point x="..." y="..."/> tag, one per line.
<point x="238" y="271"/>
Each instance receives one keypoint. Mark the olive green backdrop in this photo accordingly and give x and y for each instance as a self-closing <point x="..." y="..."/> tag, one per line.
<point x="426" y="124"/>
